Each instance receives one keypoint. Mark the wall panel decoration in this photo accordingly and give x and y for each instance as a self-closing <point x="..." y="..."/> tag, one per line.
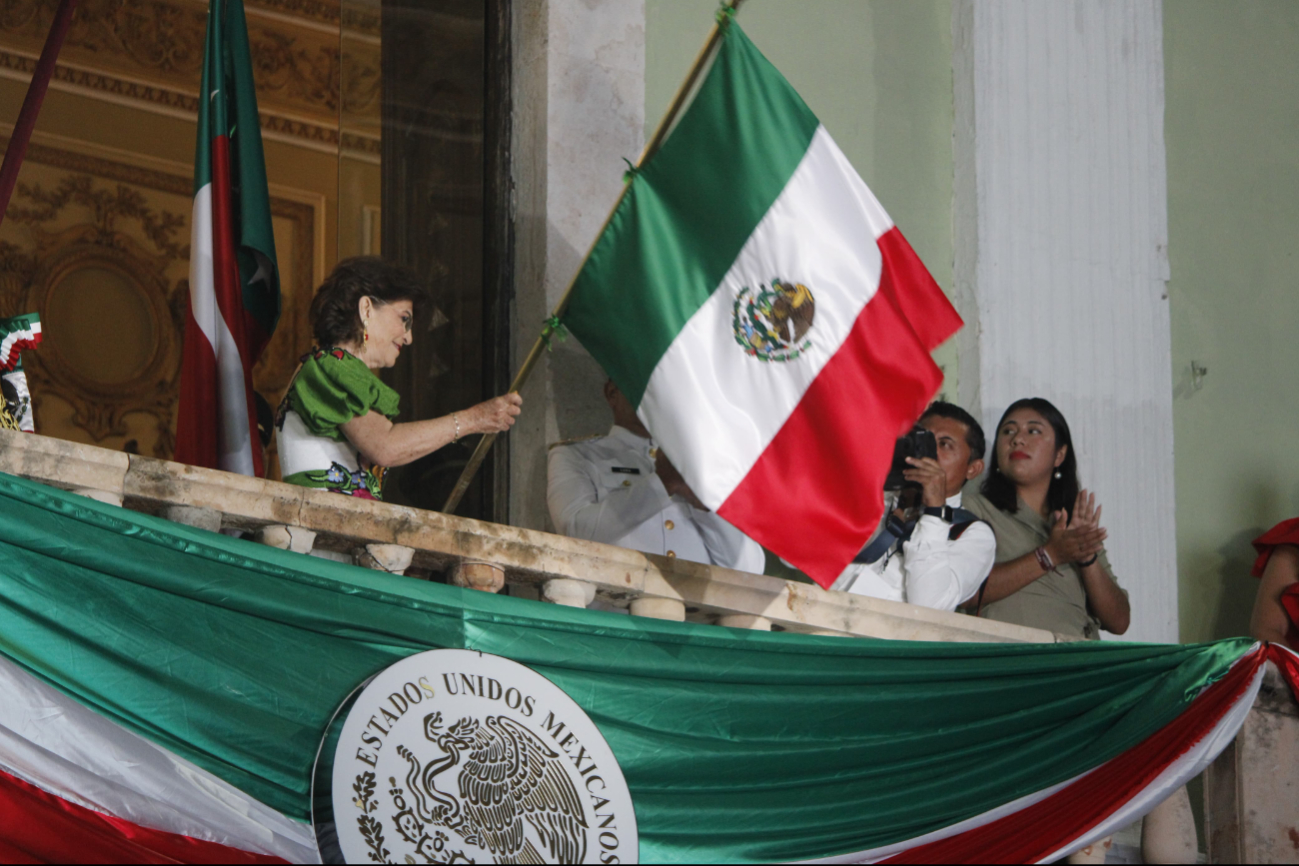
<point x="101" y="250"/>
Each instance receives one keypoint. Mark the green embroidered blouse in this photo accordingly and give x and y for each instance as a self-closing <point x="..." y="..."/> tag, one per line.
<point x="332" y="387"/>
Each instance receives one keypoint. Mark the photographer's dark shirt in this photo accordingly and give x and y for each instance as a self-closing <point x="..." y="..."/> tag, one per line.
<point x="1056" y="601"/>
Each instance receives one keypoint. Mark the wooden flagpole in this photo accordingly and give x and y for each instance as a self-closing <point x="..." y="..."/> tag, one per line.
<point x="22" y="134"/>
<point x="665" y="126"/>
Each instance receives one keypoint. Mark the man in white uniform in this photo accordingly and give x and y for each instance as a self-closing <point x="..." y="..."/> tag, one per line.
<point x="948" y="554"/>
<point x="620" y="489"/>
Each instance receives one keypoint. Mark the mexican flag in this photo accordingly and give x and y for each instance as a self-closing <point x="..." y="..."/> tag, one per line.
<point x="166" y="691"/>
<point x="768" y="321"/>
<point x="234" y="283"/>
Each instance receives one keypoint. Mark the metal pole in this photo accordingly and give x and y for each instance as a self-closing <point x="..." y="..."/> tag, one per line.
<point x="32" y="103"/>
<point x="664" y="127"/>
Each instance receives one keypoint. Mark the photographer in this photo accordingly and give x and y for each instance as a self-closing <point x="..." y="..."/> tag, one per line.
<point x="941" y="558"/>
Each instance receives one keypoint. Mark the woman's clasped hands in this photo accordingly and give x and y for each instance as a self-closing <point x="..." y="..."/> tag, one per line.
<point x="1079" y="538"/>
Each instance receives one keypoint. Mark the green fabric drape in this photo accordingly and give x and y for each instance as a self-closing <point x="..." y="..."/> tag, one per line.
<point x="738" y="746"/>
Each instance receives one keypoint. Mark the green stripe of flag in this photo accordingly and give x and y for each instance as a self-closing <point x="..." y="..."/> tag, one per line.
<point x="689" y="212"/>
<point x="228" y="106"/>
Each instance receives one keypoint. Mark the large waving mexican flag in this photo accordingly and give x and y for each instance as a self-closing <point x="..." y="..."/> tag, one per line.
<point x="166" y="691"/>
<point x="768" y="321"/>
<point x="234" y="283"/>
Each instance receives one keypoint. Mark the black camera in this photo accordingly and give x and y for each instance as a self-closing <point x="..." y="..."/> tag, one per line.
<point x="918" y="443"/>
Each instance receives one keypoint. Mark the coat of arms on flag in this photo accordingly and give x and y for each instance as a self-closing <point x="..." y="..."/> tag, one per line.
<point x="772" y="322"/>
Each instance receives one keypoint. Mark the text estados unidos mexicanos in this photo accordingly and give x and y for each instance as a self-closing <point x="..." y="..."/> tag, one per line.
<point x="477" y="685"/>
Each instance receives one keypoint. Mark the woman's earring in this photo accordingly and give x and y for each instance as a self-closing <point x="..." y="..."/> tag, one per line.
<point x="366" y="334"/>
<point x="1058" y="476"/>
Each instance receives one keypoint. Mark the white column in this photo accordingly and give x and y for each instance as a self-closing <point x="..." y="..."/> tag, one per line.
<point x="1061" y="254"/>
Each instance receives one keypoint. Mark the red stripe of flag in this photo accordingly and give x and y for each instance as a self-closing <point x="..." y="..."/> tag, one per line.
<point x="196" y="423"/>
<point x="839" y="440"/>
<point x="38" y="827"/>
<point x="228" y="284"/>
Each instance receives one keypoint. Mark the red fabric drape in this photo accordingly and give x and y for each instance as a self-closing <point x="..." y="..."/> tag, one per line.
<point x="1037" y="831"/>
<point x="38" y="827"/>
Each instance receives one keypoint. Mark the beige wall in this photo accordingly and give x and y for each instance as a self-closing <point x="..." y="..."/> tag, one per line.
<point x="1232" y="131"/>
<point x="876" y="72"/>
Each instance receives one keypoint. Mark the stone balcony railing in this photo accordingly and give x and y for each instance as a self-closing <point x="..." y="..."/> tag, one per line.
<point x="1249" y="813"/>
<point x="478" y="554"/>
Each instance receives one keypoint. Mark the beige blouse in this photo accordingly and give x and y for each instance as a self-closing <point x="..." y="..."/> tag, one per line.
<point x="1056" y="601"/>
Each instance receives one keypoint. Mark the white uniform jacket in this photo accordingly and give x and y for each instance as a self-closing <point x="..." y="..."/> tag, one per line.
<point x="928" y="569"/>
<point x="606" y="489"/>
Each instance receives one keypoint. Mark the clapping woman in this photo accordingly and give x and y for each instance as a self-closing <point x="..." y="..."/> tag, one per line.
<point x="1051" y="570"/>
<point x="335" y="426"/>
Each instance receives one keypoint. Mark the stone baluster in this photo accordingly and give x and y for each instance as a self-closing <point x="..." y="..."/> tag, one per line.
<point x="1168" y="832"/>
<point x="483" y="576"/>
<point x="194" y="515"/>
<point x="392" y="558"/>
<point x="659" y="608"/>
<point x="298" y="539"/>
<point x="745" y="620"/>
<point x="570" y="593"/>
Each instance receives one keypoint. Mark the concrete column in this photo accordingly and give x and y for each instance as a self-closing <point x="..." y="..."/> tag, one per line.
<point x="744" y="620"/>
<point x="194" y="515"/>
<point x="392" y="558"/>
<point x="483" y="576"/>
<point x="1168" y="832"/>
<point x="296" y="538"/>
<point x="1250" y="789"/>
<point x="579" y="110"/>
<point x="570" y="593"/>
<point x="659" y="608"/>
<point x="1061" y="264"/>
<point x="104" y="496"/>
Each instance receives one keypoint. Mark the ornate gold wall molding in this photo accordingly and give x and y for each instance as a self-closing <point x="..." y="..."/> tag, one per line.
<point x="150" y="52"/>
<point x="94" y="233"/>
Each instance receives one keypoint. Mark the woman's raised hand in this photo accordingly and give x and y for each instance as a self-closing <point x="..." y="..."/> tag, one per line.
<point x="497" y="414"/>
<point x="1085" y="510"/>
<point x="1080" y="538"/>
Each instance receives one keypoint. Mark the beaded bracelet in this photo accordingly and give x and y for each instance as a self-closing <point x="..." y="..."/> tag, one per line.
<point x="455" y="416"/>
<point x="1044" y="559"/>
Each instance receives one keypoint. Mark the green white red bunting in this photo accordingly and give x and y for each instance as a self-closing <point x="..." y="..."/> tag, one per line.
<point x="234" y="284"/>
<point x="17" y="334"/>
<point x="166" y="691"/>
<point x="768" y="321"/>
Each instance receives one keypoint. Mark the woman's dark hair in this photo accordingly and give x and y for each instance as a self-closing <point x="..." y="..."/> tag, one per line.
<point x="334" y="310"/>
<point x="1000" y="490"/>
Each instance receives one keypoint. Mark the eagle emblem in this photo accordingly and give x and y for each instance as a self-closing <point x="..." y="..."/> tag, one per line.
<point x="772" y="322"/>
<point x="510" y="798"/>
<point x="456" y="756"/>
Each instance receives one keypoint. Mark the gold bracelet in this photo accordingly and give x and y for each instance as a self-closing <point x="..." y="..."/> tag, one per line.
<point x="455" y="416"/>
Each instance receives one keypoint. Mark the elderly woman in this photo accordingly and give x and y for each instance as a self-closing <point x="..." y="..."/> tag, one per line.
<point x="1276" y="606"/>
<point x="1051" y="570"/>
<point x="336" y="427"/>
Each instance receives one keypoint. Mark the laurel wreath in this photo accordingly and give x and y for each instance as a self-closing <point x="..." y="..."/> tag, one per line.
<point x="372" y="831"/>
